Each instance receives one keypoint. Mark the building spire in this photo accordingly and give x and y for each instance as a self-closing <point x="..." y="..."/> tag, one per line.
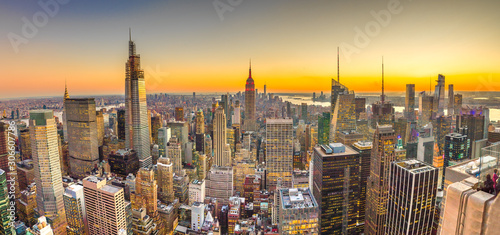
<point x="129" y="34"/>
<point x="250" y="69"/>
<point x="66" y="95"/>
<point x="338" y="65"/>
<point x="383" y="95"/>
<point x="131" y="44"/>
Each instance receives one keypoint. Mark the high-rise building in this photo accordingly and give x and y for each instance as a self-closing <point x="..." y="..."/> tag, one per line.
<point x="298" y="211"/>
<point x="165" y="180"/>
<point x="236" y="118"/>
<point x="5" y="225"/>
<point x="74" y="204"/>
<point x="324" y="128"/>
<point x="200" y="122"/>
<point x="48" y="178"/>
<point x="4" y="156"/>
<point x="360" y="107"/>
<point x="26" y="205"/>
<point x="197" y="216"/>
<point x="425" y="149"/>
<point x="104" y="205"/>
<point x="451" y="100"/>
<point x="164" y="135"/>
<point x="100" y="127"/>
<point x="344" y="114"/>
<point x="121" y="124"/>
<point x="123" y="162"/>
<point x="25" y="143"/>
<point x="336" y="187"/>
<point x="137" y="134"/>
<point x="457" y="104"/>
<point x="364" y="148"/>
<point x="439" y="94"/>
<point x="425" y="107"/>
<point x="303" y="113"/>
<point x="383" y="153"/>
<point x="337" y="88"/>
<point x="179" y="114"/>
<point x="412" y="197"/>
<point x="456" y="150"/>
<point x="82" y="136"/>
<point x="146" y="193"/>
<point x="174" y="152"/>
<point x="65" y="126"/>
<point x="474" y="121"/>
<point x="279" y="152"/>
<point x="221" y="158"/>
<point x="410" y="102"/>
<point x="196" y="191"/>
<point x="250" y="118"/>
<point x="219" y="183"/>
<point x="156" y="124"/>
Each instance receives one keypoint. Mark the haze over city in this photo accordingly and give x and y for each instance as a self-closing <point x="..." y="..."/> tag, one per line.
<point x="187" y="45"/>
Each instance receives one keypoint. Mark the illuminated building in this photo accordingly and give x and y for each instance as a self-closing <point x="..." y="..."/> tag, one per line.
<point x="41" y="228"/>
<point x="74" y="205"/>
<point x="82" y="136"/>
<point x="174" y="152"/>
<point x="156" y="124"/>
<point x="324" y="128"/>
<point x="4" y="156"/>
<point x="364" y="148"/>
<point x="5" y="225"/>
<point x="142" y="223"/>
<point x="304" y="113"/>
<point x="439" y="103"/>
<point x="200" y="122"/>
<point x="443" y="128"/>
<point x="121" y="124"/>
<point x="425" y="108"/>
<point x="474" y="121"/>
<point x="360" y="107"/>
<point x="383" y="153"/>
<point x="336" y="175"/>
<point x="456" y="149"/>
<point x="26" y="174"/>
<point x="26" y="205"/>
<point x="236" y="117"/>
<point x="220" y="139"/>
<point x="123" y="162"/>
<point x="298" y="213"/>
<point x="250" y="119"/>
<point x="145" y="194"/>
<point x="410" y="102"/>
<point x="438" y="162"/>
<point x="25" y="143"/>
<point x="48" y="178"/>
<point x="219" y="183"/>
<point x="179" y="114"/>
<point x="137" y="136"/>
<point x="348" y="138"/>
<point x="180" y="130"/>
<point x="344" y="114"/>
<point x="165" y="180"/>
<point x="104" y="205"/>
<point x="279" y="152"/>
<point x="412" y="197"/>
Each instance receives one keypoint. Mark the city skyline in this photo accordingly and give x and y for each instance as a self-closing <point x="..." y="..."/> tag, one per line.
<point x="187" y="44"/>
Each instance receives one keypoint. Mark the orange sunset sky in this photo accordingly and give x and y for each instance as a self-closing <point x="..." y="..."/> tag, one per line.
<point x="189" y="45"/>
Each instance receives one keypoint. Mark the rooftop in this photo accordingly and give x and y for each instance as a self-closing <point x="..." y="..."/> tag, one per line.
<point x="415" y="166"/>
<point x="295" y="198"/>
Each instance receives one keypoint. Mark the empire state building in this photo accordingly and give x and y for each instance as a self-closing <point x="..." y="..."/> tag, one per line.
<point x="136" y="111"/>
<point x="250" y="122"/>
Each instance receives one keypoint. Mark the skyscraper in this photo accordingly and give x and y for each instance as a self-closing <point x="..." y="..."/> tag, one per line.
<point x="410" y="102"/>
<point x="174" y="152"/>
<point x="336" y="188"/>
<point x="344" y="115"/>
<point x="165" y="180"/>
<point x="279" y="152"/>
<point x="439" y="96"/>
<point x="220" y="139"/>
<point x="48" y="178"/>
<point x="5" y="225"/>
<point x="412" y="197"/>
<point x="137" y="134"/>
<point x="250" y="121"/>
<point x="65" y="126"/>
<point x="458" y="104"/>
<point x="74" y="204"/>
<point x="179" y="114"/>
<point x="383" y="153"/>
<point x="364" y="148"/>
<point x="382" y="111"/>
<point x="82" y="136"/>
<point x="4" y="153"/>
<point x="121" y="124"/>
<point x="451" y="100"/>
<point x="425" y="108"/>
<point x="425" y="149"/>
<point x="146" y="193"/>
<point x="105" y="206"/>
<point x="324" y="128"/>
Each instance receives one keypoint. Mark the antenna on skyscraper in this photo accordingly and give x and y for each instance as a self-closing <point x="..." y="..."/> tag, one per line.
<point x="129" y="34"/>
<point x="338" y="66"/>
<point x="250" y="69"/>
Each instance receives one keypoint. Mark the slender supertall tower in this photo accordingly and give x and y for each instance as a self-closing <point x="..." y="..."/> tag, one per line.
<point x="48" y="178"/>
<point x="137" y="135"/>
<point x="250" y="124"/>
<point x="65" y="124"/>
<point x="382" y="98"/>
